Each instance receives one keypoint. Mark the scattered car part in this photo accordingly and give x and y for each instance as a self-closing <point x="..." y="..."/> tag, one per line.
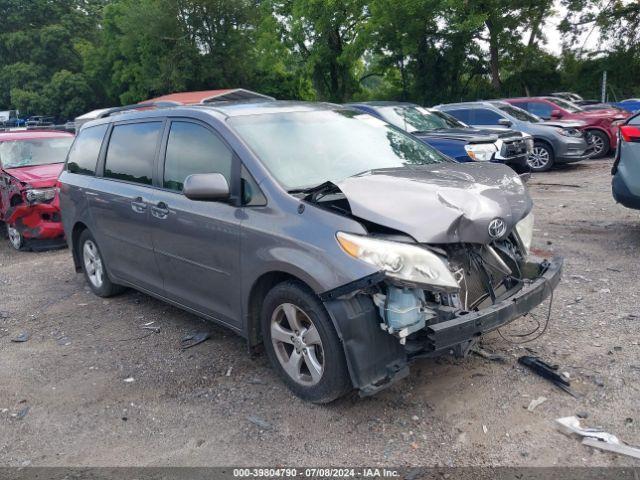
<point x="596" y="437"/>
<point x="21" y="337"/>
<point x="193" y="339"/>
<point x="536" y="402"/>
<point x="547" y="371"/>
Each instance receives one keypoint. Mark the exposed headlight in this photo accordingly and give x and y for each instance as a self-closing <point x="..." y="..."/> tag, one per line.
<point x="617" y="123"/>
<point x="407" y="263"/>
<point x="40" y="195"/>
<point x="481" y="152"/>
<point x="525" y="231"/>
<point x="569" y="132"/>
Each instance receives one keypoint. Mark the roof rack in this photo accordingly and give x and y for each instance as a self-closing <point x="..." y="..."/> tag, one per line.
<point x="136" y="106"/>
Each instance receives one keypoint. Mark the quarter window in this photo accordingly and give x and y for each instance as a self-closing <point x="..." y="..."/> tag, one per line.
<point x="83" y="156"/>
<point x="192" y="149"/>
<point x="131" y="152"/>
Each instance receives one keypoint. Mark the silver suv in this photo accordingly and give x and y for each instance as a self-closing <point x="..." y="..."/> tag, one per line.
<point x="343" y="245"/>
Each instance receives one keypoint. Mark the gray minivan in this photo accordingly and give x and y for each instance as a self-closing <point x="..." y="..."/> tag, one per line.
<point x="343" y="245"/>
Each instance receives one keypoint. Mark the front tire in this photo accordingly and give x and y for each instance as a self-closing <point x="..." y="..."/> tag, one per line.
<point x="600" y="142"/>
<point x="94" y="267"/>
<point x="16" y="239"/>
<point x="302" y="344"/>
<point x="541" y="159"/>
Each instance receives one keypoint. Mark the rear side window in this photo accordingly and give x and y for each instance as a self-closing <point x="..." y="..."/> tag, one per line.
<point x="192" y="149"/>
<point x="132" y="149"/>
<point x="486" y="117"/>
<point x="83" y="156"/>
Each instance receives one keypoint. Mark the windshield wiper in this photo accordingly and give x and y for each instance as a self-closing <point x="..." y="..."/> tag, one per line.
<point x="322" y="187"/>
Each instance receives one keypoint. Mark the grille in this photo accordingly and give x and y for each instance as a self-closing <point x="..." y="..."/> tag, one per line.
<point x="474" y="270"/>
<point x="513" y="148"/>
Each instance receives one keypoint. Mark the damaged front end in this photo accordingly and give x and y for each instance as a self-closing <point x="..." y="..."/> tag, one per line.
<point x="35" y="214"/>
<point x="386" y="322"/>
<point x="432" y="298"/>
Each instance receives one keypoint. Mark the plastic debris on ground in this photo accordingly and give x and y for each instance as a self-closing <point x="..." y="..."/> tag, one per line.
<point x="596" y="437"/>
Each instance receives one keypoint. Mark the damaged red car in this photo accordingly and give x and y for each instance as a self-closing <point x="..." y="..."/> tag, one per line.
<point x="30" y="162"/>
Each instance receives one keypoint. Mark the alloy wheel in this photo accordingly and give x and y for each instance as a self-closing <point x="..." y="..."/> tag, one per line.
<point x="297" y="344"/>
<point x="15" y="237"/>
<point x="93" y="264"/>
<point x="598" y="144"/>
<point x="538" y="158"/>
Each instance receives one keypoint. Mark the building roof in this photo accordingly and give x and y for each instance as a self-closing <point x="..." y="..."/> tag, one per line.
<point x="209" y="96"/>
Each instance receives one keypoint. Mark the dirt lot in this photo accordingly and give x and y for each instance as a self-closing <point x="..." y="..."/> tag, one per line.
<point x="214" y="405"/>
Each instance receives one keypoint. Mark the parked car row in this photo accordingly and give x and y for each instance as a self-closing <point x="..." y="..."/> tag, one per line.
<point x="326" y="233"/>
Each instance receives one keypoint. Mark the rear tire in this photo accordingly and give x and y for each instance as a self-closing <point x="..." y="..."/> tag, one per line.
<point x="302" y="344"/>
<point x="541" y="158"/>
<point x="94" y="267"/>
<point x="600" y="141"/>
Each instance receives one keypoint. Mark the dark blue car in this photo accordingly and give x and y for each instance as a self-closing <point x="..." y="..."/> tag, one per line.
<point x="452" y="137"/>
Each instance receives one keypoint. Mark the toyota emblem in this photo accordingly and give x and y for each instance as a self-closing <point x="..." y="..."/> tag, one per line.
<point x="497" y="228"/>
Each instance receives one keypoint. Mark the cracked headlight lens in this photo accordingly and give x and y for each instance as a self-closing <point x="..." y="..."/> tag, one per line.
<point x="481" y="152"/>
<point x="525" y="231"/>
<point x="40" y="195"/>
<point x="404" y="262"/>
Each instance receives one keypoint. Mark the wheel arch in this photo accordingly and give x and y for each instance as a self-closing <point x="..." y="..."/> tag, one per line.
<point x="547" y="144"/>
<point x="77" y="230"/>
<point x="261" y="286"/>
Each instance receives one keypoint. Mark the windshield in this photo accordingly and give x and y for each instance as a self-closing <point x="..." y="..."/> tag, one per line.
<point x="519" y="113"/>
<point x="34" y="151"/>
<point x="568" y="106"/>
<point x="305" y="149"/>
<point x="417" y="119"/>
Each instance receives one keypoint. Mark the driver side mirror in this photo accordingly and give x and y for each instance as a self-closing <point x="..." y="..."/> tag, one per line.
<point x="504" y="122"/>
<point x="556" y="114"/>
<point x="206" y="186"/>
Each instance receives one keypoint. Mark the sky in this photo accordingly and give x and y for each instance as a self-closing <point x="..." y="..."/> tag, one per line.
<point x="554" y="37"/>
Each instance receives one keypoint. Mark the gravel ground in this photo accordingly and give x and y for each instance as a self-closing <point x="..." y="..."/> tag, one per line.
<point x="90" y="387"/>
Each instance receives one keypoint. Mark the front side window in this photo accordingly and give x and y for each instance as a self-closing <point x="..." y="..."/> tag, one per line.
<point x="34" y="151"/>
<point x="83" y="156"/>
<point x="519" y="113"/>
<point x="567" y="105"/>
<point x="304" y="149"/>
<point x="540" y="109"/>
<point x="192" y="149"/>
<point x="132" y="149"/>
<point x="462" y="114"/>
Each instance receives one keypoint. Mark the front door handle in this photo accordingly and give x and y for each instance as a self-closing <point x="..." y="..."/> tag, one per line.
<point x="138" y="205"/>
<point x="161" y="210"/>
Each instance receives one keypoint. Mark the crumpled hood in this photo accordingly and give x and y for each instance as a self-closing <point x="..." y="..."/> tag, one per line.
<point x="38" y="175"/>
<point x="444" y="203"/>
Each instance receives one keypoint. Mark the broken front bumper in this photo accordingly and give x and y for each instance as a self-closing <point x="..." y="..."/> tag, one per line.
<point x="467" y="326"/>
<point x="376" y="359"/>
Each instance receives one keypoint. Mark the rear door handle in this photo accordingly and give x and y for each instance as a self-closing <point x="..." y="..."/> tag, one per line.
<point x="138" y="205"/>
<point x="161" y="210"/>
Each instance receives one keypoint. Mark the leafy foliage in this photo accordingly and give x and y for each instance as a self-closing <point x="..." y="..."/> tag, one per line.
<point x="65" y="57"/>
